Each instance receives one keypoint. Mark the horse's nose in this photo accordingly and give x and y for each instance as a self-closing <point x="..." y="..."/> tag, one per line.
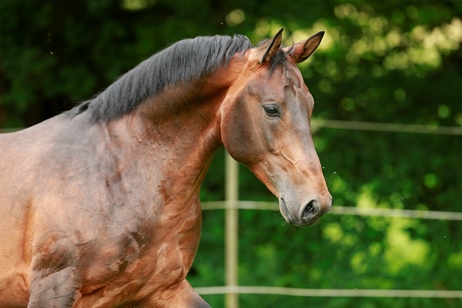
<point x="315" y="208"/>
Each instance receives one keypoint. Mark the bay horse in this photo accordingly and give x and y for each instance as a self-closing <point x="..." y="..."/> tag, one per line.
<point x="99" y="206"/>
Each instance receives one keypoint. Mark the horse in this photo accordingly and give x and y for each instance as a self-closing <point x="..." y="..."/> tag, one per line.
<point x="99" y="205"/>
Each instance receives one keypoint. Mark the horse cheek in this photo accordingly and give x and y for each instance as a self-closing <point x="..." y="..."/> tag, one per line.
<point x="238" y="135"/>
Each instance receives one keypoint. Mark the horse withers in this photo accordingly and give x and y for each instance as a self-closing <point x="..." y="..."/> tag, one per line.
<point x="99" y="206"/>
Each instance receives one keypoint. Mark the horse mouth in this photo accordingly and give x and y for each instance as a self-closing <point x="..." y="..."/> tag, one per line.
<point x="285" y="212"/>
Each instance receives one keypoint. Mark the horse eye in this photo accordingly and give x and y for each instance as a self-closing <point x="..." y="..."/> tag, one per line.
<point x="271" y="111"/>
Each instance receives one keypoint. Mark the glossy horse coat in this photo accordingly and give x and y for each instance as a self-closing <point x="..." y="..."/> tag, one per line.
<point x="99" y="206"/>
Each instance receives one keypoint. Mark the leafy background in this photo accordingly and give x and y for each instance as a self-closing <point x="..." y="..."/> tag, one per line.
<point x="380" y="61"/>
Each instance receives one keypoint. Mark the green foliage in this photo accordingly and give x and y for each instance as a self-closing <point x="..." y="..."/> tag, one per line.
<point x="380" y="61"/>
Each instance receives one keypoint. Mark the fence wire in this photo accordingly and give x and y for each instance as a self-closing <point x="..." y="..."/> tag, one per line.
<point x="387" y="127"/>
<point x="329" y="292"/>
<point x="338" y="210"/>
<point x="366" y="126"/>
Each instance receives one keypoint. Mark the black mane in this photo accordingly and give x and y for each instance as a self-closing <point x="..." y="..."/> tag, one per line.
<point x="181" y="62"/>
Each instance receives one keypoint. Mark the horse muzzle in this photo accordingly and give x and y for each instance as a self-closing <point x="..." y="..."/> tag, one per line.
<point x="307" y="214"/>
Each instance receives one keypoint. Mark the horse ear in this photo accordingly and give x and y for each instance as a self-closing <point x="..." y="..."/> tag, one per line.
<point x="304" y="49"/>
<point x="267" y="50"/>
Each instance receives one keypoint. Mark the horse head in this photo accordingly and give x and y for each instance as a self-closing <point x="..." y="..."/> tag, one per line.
<point x="265" y="124"/>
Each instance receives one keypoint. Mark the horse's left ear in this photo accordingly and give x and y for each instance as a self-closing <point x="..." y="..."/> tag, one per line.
<point x="267" y="50"/>
<point x="304" y="49"/>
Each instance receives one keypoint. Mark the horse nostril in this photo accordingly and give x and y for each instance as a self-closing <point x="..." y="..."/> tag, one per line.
<point x="309" y="211"/>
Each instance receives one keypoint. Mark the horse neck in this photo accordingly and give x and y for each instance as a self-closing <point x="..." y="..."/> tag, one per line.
<point x="177" y="132"/>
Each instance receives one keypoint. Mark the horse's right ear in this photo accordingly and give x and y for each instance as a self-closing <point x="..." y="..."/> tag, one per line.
<point x="304" y="49"/>
<point x="267" y="50"/>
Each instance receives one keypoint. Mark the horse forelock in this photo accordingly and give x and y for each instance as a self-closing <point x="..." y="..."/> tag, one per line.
<point x="183" y="61"/>
<point x="278" y="59"/>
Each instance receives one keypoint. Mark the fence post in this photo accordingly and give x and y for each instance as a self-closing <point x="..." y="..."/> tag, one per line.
<point x="231" y="229"/>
